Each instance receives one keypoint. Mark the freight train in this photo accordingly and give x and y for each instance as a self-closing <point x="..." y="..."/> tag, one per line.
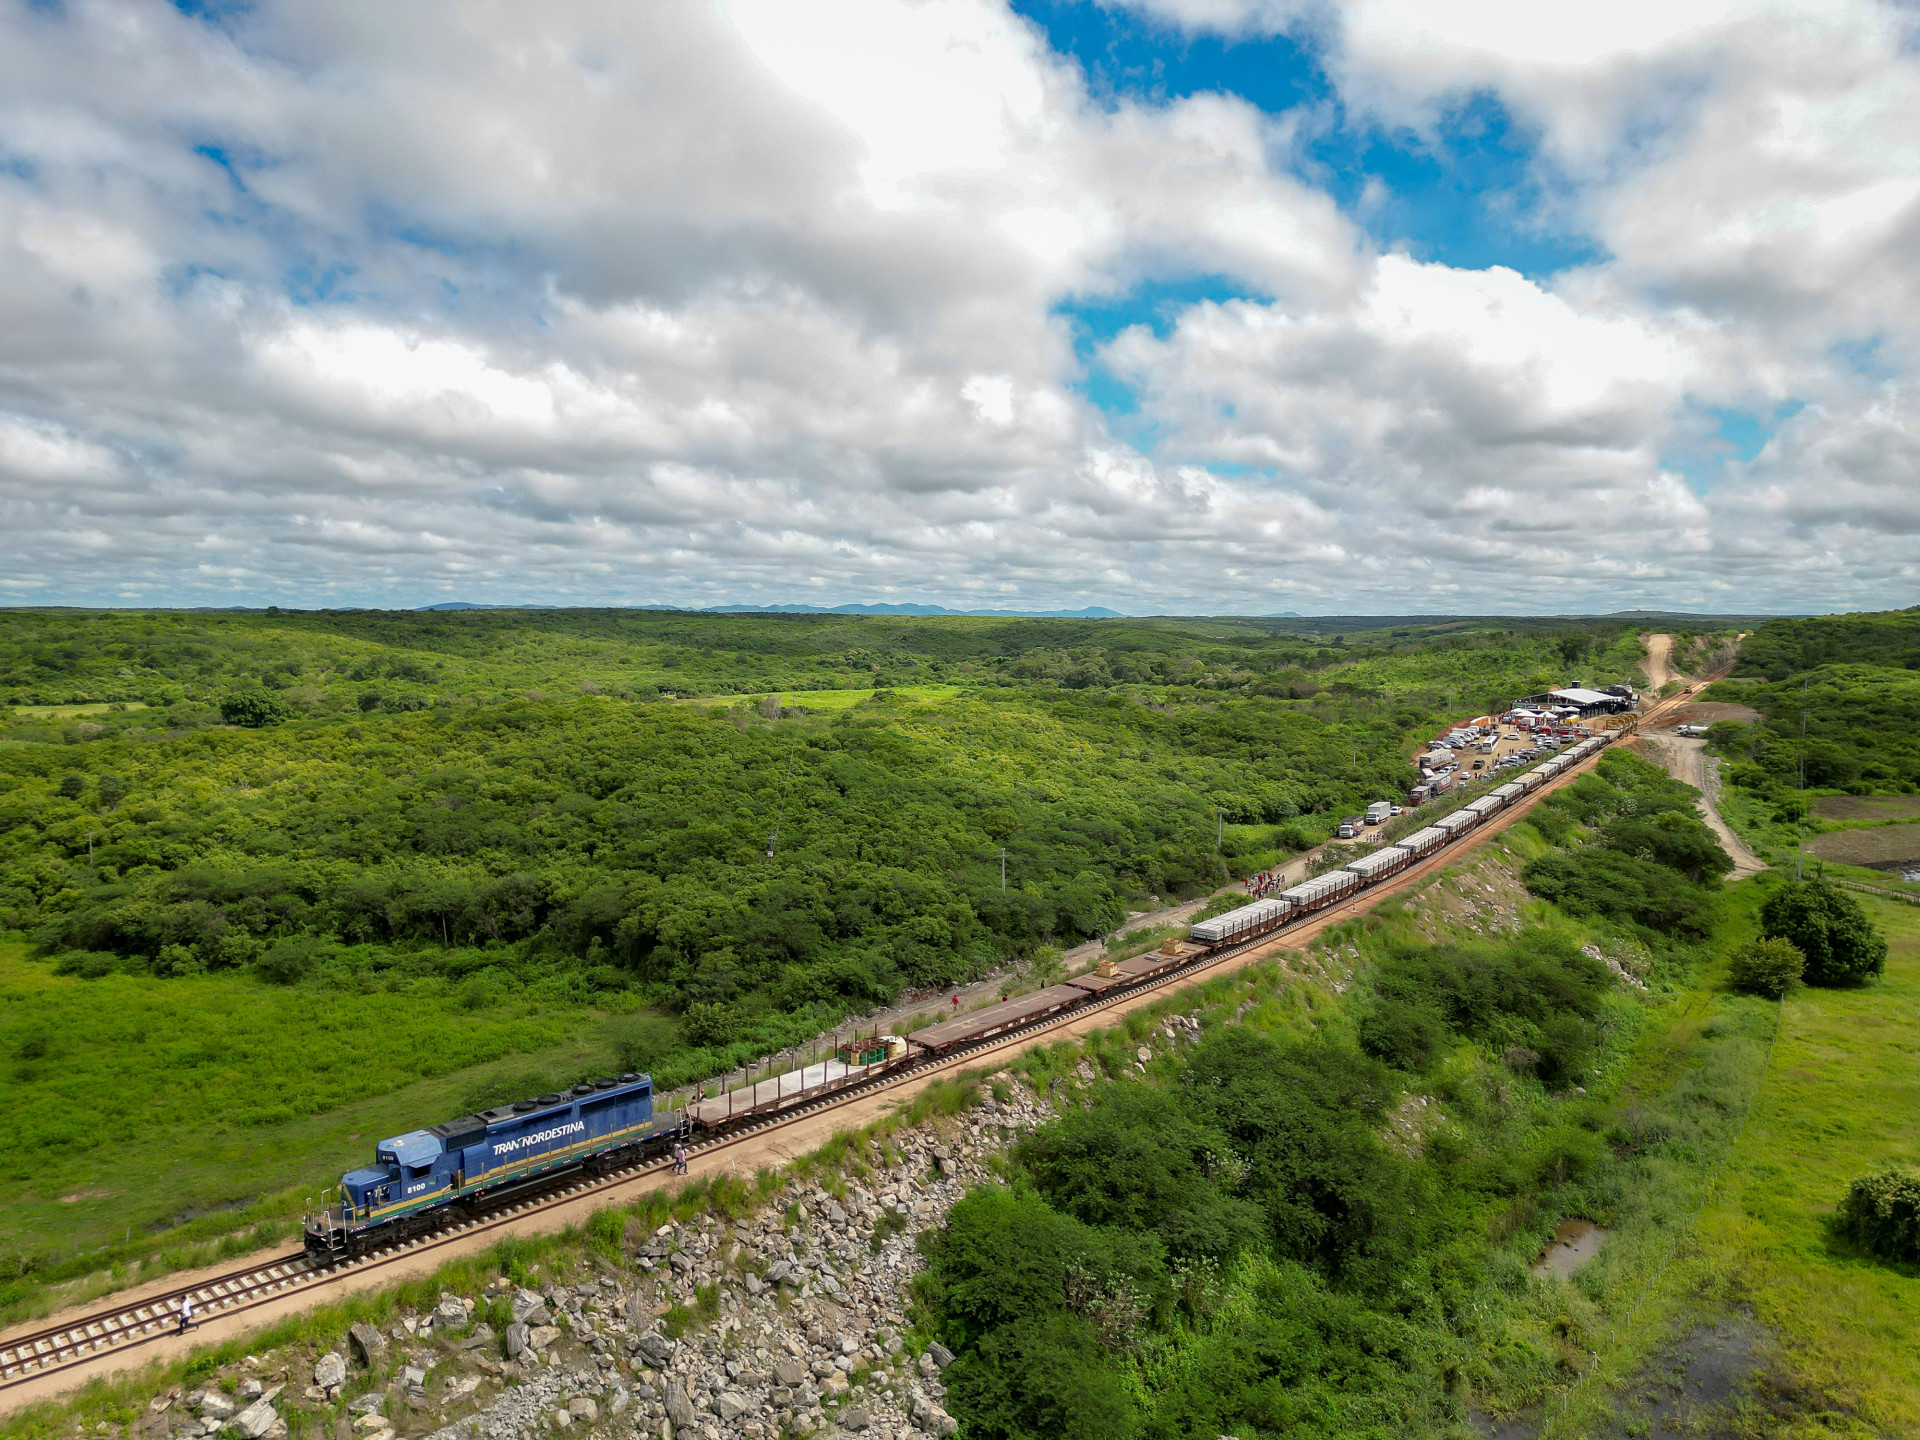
<point x="604" y="1124"/>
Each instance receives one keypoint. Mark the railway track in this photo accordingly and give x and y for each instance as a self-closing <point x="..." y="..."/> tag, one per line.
<point x="127" y="1327"/>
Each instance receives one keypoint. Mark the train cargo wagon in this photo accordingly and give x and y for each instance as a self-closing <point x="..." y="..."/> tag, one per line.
<point x="1422" y="843"/>
<point x="1486" y="805"/>
<point x="993" y="1019"/>
<point x="1247" y="921"/>
<point x="1510" y="792"/>
<point x="1381" y="863"/>
<point x="854" y="1060"/>
<point x="1095" y="983"/>
<point x="1144" y="967"/>
<point x="1457" y="824"/>
<point x="1323" y="890"/>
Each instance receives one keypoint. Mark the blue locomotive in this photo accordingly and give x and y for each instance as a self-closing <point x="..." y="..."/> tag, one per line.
<point x="600" y="1125"/>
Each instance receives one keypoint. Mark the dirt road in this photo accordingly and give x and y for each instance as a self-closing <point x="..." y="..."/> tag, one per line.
<point x="1659" y="663"/>
<point x="1687" y="760"/>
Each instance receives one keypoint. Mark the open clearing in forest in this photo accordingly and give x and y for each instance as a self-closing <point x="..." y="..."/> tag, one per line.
<point x="70" y="712"/>
<point x="1868" y="807"/>
<point x="1841" y="1097"/>
<point x="1881" y="845"/>
<point x="831" y="699"/>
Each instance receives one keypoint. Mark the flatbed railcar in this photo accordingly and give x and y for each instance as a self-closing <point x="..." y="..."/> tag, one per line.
<point x="1380" y="864"/>
<point x="1423" y="843"/>
<point x="991" y="1020"/>
<point x="1244" y="923"/>
<point x="417" y="1178"/>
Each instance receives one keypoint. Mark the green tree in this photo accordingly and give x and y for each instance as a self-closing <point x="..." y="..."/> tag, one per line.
<point x="1829" y="928"/>
<point x="1767" y="967"/>
<point x="254" y="709"/>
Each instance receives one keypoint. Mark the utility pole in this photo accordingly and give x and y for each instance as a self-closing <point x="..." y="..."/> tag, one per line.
<point x="1003" y="869"/>
<point x="1219" y="829"/>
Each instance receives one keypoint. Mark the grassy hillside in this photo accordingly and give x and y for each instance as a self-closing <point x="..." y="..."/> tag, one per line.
<point x="1841" y="1098"/>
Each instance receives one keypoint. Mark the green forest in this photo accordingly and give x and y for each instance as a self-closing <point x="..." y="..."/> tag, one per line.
<point x="1840" y="697"/>
<point x="263" y="868"/>
<point x="1837" y="706"/>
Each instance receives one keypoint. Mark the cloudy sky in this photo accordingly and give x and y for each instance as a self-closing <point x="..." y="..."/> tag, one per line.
<point x="1173" y="305"/>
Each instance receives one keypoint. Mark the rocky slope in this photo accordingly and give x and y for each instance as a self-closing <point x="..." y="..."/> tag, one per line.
<point x="790" y="1321"/>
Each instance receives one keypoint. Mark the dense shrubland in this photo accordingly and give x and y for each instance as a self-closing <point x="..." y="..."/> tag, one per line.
<point x="496" y="842"/>
<point x="1851" y="683"/>
<point x="1242" y="1241"/>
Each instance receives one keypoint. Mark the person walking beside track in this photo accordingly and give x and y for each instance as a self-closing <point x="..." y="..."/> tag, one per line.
<point x="679" y="1159"/>
<point x="186" y="1314"/>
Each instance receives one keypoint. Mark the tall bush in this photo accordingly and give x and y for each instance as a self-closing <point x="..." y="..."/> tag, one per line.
<point x="1828" y="927"/>
<point x="1882" y="1213"/>
<point x="1767" y="967"/>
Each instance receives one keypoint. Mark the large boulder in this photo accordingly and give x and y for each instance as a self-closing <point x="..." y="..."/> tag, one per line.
<point x="931" y="1418"/>
<point x="732" y="1406"/>
<point x="656" y="1347"/>
<point x="543" y="1337"/>
<point x="583" y="1410"/>
<point x="940" y="1354"/>
<point x="854" y="1417"/>
<point x="215" y="1406"/>
<point x="679" y="1406"/>
<point x="451" y="1313"/>
<point x="330" y="1370"/>
<point x="257" y="1419"/>
<point x="368" y="1344"/>
<point x="516" y="1339"/>
<point x="789" y="1372"/>
<point x="525" y="1304"/>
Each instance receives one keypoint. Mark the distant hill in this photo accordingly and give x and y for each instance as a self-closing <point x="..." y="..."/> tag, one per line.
<point x="1091" y="612"/>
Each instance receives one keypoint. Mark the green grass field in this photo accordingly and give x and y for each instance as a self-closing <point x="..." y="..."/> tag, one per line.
<point x="130" y="1105"/>
<point x="830" y="699"/>
<point x="1841" y="1097"/>
<point x="71" y="712"/>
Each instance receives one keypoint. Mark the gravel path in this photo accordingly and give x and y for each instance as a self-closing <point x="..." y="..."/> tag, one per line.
<point x="1688" y="760"/>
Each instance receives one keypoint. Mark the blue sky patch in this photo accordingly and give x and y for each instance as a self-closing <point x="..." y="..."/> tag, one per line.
<point x="1748" y="432"/>
<point x="1471" y="195"/>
